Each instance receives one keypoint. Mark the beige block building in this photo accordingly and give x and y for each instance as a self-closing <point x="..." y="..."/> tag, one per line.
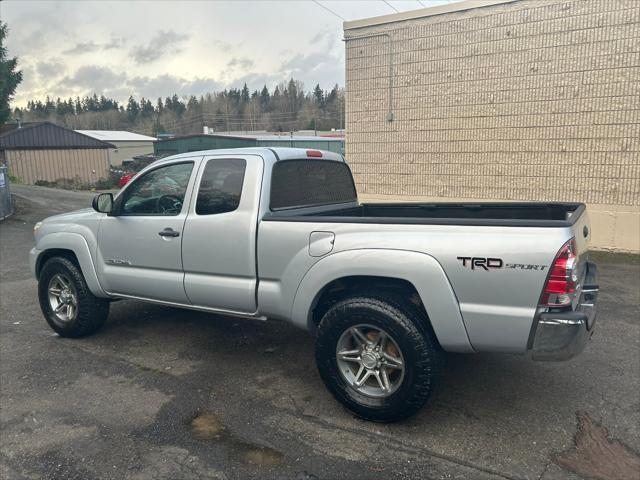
<point x="501" y="100"/>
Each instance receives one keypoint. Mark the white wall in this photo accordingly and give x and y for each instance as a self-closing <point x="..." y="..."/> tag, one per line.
<point x="127" y="150"/>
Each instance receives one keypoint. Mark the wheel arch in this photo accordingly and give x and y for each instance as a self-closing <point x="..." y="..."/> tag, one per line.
<point x="412" y="273"/>
<point x="73" y="247"/>
<point x="55" y="252"/>
<point x="346" y="286"/>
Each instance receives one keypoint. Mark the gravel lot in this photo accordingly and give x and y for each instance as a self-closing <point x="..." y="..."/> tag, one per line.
<point x="164" y="393"/>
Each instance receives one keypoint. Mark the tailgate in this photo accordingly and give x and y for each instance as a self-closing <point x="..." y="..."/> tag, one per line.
<point x="581" y="230"/>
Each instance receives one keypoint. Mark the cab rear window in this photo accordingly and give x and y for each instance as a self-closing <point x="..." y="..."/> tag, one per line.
<point x="306" y="183"/>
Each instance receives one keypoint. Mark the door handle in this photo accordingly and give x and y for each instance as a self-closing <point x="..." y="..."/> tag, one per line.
<point x="169" y="232"/>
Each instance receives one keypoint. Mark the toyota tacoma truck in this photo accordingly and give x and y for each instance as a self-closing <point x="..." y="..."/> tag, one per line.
<point x="279" y="233"/>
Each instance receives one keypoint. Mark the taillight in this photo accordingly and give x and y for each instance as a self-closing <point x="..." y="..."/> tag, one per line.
<point x="560" y="289"/>
<point x="314" y="153"/>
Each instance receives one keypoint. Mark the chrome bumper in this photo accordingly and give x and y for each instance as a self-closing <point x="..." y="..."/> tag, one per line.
<point x="563" y="335"/>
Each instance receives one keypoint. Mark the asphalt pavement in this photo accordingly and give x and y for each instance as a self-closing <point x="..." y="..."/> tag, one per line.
<point x="163" y="393"/>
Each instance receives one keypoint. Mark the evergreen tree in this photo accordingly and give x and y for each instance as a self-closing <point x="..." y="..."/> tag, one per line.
<point x="9" y="77"/>
<point x="318" y="95"/>
<point x="177" y="106"/>
<point x="49" y="107"/>
<point x="95" y="103"/>
<point x="146" y="108"/>
<point x="244" y="95"/>
<point x="133" y="109"/>
<point x="192" y="104"/>
<point x="265" y="99"/>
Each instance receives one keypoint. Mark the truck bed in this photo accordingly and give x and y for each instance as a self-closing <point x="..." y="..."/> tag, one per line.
<point x="445" y="213"/>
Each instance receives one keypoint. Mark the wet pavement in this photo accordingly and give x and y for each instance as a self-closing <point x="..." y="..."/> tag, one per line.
<point x="165" y="393"/>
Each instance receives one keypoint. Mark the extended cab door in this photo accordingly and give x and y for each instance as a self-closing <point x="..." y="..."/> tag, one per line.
<point x="139" y="246"/>
<point x="219" y="244"/>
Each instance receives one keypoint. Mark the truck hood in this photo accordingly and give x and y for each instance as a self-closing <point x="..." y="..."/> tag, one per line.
<point x="84" y="222"/>
<point x="75" y="216"/>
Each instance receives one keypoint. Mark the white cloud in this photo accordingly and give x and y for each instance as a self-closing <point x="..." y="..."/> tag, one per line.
<point x="165" y="42"/>
<point x="94" y="77"/>
<point x="140" y="48"/>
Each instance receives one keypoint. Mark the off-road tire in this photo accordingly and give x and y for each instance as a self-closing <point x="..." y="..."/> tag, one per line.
<point x="92" y="311"/>
<point x="408" y="326"/>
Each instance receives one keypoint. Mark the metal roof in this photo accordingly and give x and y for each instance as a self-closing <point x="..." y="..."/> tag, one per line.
<point x="45" y="135"/>
<point x="257" y="138"/>
<point x="117" y="136"/>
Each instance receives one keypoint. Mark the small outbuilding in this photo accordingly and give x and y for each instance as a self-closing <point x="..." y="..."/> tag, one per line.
<point x="44" y="152"/>
<point x="127" y="145"/>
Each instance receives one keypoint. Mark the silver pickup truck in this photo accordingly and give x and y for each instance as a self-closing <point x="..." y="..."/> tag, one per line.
<point x="279" y="233"/>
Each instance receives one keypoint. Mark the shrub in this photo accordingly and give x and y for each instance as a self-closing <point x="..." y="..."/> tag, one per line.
<point x="45" y="183"/>
<point x="106" y="183"/>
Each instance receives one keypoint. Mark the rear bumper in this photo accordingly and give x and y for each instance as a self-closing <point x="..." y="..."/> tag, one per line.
<point x="563" y="335"/>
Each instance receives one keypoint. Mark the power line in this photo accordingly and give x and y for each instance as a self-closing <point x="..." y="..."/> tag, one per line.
<point x="328" y="10"/>
<point x="385" y="1"/>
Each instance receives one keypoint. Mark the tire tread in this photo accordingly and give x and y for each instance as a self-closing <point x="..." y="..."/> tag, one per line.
<point x="412" y="320"/>
<point x="92" y="311"/>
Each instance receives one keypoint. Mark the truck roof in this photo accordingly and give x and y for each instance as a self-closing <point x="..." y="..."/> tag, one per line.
<point x="272" y="153"/>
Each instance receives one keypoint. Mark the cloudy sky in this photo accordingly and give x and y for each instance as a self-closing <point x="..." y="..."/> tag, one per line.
<point x="151" y="49"/>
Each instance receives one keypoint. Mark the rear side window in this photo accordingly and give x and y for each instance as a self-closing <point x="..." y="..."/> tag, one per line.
<point x="304" y="183"/>
<point x="220" y="186"/>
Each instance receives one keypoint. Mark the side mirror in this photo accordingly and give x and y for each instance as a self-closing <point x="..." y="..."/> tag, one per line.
<point x="103" y="203"/>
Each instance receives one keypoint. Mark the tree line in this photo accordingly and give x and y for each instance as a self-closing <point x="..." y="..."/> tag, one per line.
<point x="287" y="107"/>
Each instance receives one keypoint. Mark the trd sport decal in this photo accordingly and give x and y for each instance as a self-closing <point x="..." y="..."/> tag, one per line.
<point x="475" y="263"/>
<point x="480" y="262"/>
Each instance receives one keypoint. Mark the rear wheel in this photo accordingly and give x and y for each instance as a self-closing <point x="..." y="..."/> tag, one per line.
<point x="68" y="305"/>
<point x="376" y="356"/>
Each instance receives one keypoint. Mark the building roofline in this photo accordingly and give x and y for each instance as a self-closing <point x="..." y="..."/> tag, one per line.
<point x="259" y="138"/>
<point x="108" y="145"/>
<point x="6" y="133"/>
<point x="32" y="125"/>
<point x="279" y="153"/>
<point x="420" y="13"/>
<point x="96" y="135"/>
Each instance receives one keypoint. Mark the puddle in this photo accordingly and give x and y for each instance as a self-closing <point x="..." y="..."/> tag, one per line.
<point x="264" y="456"/>
<point x="597" y="456"/>
<point x="208" y="426"/>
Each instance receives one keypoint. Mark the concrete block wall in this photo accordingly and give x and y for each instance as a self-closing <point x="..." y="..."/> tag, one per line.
<point x="517" y="100"/>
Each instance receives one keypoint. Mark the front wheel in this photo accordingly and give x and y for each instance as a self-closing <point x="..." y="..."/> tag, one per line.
<point x="377" y="357"/>
<point x="68" y="305"/>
